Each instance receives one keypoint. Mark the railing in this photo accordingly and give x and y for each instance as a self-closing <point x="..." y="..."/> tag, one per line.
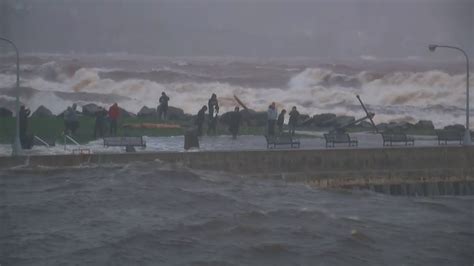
<point x="73" y="141"/>
<point x="79" y="150"/>
<point x="42" y="141"/>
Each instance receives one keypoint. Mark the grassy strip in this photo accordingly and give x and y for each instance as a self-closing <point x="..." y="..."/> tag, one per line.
<point x="52" y="128"/>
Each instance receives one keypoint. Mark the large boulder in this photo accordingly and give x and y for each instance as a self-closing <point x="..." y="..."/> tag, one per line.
<point x="406" y="126"/>
<point x="397" y="127"/>
<point x="456" y="127"/>
<point x="304" y="118"/>
<point x="365" y="125"/>
<point x="424" y="125"/>
<point x="42" y="112"/>
<point x="147" y="112"/>
<point x="4" y="112"/>
<point x="324" y="120"/>
<point x="90" y="109"/>
<point x="125" y="114"/>
<point x="175" y="113"/>
<point x="382" y="127"/>
<point x="253" y="118"/>
<point x="342" y="120"/>
<point x="225" y="118"/>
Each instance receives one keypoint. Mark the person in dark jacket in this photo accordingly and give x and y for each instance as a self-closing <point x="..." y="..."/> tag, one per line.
<point x="99" y="123"/>
<point x="234" y="124"/>
<point x="24" y="140"/>
<point x="163" y="106"/>
<point x="213" y="111"/>
<point x="200" y="119"/>
<point x="272" y="114"/>
<point x="294" y="115"/>
<point x="281" y="121"/>
<point x="71" y="121"/>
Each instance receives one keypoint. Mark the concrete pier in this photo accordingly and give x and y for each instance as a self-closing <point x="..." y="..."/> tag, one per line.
<point x="400" y="171"/>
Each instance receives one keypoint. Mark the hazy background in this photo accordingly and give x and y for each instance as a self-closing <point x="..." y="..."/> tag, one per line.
<point x="263" y="28"/>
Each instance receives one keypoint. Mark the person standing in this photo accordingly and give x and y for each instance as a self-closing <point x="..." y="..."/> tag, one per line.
<point x="294" y="115"/>
<point x="213" y="111"/>
<point x="200" y="119"/>
<point x="234" y="124"/>
<point x="272" y="114"/>
<point x="71" y="122"/>
<point x="100" y="122"/>
<point x="24" y="113"/>
<point x="114" y="113"/>
<point x="281" y="121"/>
<point x="163" y="106"/>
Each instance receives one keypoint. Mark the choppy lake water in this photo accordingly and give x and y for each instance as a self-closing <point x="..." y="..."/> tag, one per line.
<point x="160" y="214"/>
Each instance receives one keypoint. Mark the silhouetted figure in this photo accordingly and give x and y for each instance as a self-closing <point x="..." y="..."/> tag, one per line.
<point x="272" y="114"/>
<point x="114" y="112"/>
<point x="200" y="119"/>
<point x="24" y="140"/>
<point x="71" y="121"/>
<point x="281" y="121"/>
<point x="163" y="106"/>
<point x="234" y="124"/>
<point x="213" y="111"/>
<point x="294" y="115"/>
<point x="100" y="123"/>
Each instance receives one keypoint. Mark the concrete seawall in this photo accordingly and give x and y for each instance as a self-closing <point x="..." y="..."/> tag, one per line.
<point x="366" y="168"/>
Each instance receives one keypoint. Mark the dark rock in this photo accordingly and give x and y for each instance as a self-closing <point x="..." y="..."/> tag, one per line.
<point x="343" y="120"/>
<point x="225" y="118"/>
<point x="406" y="125"/>
<point x="456" y="127"/>
<point x="424" y="125"/>
<point x="382" y="127"/>
<point x="324" y="120"/>
<point x="304" y="118"/>
<point x="175" y="113"/>
<point x="147" y="112"/>
<point x="393" y="127"/>
<point x="90" y="109"/>
<point x="253" y="118"/>
<point x="398" y="127"/>
<point x="125" y="114"/>
<point x="42" y="112"/>
<point x="365" y="124"/>
<point x="4" y="112"/>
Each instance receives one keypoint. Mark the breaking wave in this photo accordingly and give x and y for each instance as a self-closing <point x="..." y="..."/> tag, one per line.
<point x="431" y="95"/>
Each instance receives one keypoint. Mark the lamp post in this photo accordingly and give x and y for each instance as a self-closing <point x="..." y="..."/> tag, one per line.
<point x="16" y="149"/>
<point x="467" y="133"/>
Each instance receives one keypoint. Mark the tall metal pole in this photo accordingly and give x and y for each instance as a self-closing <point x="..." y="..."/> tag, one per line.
<point x="467" y="132"/>
<point x="16" y="148"/>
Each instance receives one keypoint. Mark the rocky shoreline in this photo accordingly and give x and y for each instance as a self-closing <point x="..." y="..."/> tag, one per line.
<point x="252" y="118"/>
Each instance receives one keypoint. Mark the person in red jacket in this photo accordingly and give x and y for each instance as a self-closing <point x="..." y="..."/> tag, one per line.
<point x="113" y="116"/>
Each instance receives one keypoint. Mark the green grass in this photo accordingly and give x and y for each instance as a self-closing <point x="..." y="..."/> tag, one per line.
<point x="52" y="128"/>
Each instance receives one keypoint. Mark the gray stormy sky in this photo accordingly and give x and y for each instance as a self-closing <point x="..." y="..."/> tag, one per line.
<point x="263" y="28"/>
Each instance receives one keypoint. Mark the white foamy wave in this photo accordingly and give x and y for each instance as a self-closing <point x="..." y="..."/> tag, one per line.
<point x="399" y="89"/>
<point x="432" y="95"/>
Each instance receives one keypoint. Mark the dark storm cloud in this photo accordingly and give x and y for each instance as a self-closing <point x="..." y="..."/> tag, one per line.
<point x="319" y="28"/>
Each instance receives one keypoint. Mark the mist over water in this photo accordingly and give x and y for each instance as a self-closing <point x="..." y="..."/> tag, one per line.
<point x="327" y="29"/>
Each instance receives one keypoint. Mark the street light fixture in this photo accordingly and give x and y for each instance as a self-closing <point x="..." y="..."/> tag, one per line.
<point x="16" y="148"/>
<point x="467" y="133"/>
